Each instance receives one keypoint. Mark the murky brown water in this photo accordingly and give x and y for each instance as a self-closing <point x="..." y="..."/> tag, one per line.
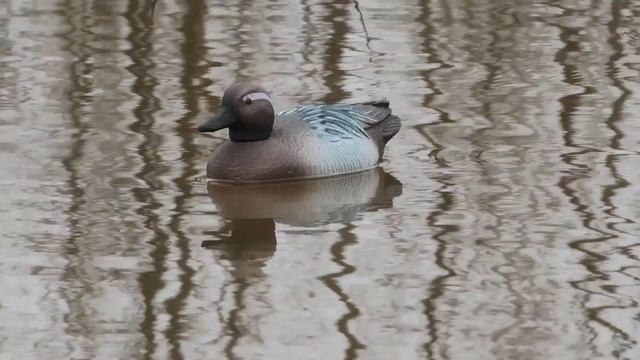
<point x="503" y="226"/>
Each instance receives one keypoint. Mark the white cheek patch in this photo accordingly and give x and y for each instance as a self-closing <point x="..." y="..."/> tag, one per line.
<point x="257" y="96"/>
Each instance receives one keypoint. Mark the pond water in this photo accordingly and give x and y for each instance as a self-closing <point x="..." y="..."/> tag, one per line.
<point x="502" y="224"/>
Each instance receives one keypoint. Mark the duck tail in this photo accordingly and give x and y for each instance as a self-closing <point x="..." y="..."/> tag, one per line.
<point x="383" y="103"/>
<point x="391" y="124"/>
<point x="391" y="127"/>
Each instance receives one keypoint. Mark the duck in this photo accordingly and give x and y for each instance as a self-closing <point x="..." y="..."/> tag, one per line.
<point x="306" y="142"/>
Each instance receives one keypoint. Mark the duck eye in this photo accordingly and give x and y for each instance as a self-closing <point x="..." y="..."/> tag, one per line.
<point x="254" y="96"/>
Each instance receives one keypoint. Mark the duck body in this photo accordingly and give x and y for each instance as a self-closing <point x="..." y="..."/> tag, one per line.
<point x="307" y="142"/>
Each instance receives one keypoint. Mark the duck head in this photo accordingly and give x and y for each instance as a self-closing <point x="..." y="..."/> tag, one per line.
<point x="246" y="110"/>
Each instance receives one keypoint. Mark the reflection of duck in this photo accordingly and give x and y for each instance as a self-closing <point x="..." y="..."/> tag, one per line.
<point x="251" y="243"/>
<point x="306" y="203"/>
<point x="254" y="208"/>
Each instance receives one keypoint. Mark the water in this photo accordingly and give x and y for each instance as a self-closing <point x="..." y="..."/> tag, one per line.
<point x="503" y="223"/>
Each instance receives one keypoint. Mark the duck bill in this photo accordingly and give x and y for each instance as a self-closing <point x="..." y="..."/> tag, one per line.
<point x="223" y="119"/>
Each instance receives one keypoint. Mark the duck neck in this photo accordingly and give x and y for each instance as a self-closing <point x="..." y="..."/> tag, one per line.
<point x="239" y="133"/>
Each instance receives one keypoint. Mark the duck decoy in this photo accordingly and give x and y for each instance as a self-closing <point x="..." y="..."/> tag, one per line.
<point x="305" y="142"/>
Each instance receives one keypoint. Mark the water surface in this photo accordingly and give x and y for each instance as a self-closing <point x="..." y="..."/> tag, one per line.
<point x="503" y="223"/>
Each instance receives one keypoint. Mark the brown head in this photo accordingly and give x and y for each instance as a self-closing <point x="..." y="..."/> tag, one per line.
<point x="246" y="110"/>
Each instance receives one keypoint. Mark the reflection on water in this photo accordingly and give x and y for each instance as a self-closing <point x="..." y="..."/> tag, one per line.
<point x="254" y="209"/>
<point x="503" y="225"/>
<point x="307" y="203"/>
<point x="248" y="245"/>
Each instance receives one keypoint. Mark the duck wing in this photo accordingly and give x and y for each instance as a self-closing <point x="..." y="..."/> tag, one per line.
<point x="347" y="121"/>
